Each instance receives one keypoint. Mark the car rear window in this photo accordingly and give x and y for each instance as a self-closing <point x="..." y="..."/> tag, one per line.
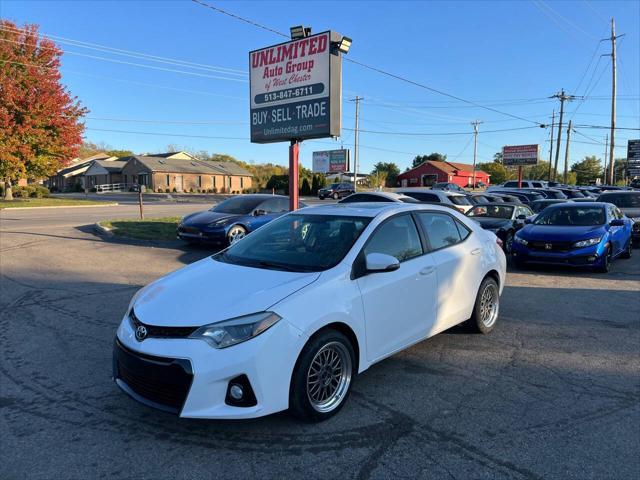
<point x="459" y="200"/>
<point x="621" y="200"/>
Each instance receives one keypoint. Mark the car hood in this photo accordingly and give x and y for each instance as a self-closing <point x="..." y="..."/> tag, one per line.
<point x="492" y="222"/>
<point x="206" y="217"/>
<point x="560" y="233"/>
<point x="211" y="291"/>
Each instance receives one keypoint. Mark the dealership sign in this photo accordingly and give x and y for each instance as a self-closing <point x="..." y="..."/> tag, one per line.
<point x="295" y="90"/>
<point x="633" y="158"/>
<point x="518" y="155"/>
<point x="331" y="161"/>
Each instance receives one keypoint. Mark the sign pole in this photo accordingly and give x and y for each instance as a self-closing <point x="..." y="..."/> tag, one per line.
<point x="294" y="152"/>
<point x="519" y="176"/>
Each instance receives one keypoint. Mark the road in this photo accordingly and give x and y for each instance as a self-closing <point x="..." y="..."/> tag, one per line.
<point x="553" y="392"/>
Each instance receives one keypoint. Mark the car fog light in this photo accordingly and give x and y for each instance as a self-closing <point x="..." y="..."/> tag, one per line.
<point x="592" y="259"/>
<point x="236" y="392"/>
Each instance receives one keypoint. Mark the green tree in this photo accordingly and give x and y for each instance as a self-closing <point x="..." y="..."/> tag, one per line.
<point x="317" y="182"/>
<point x="587" y="170"/>
<point x="434" y="157"/>
<point x="498" y="172"/>
<point x="305" y="188"/>
<point x="390" y="171"/>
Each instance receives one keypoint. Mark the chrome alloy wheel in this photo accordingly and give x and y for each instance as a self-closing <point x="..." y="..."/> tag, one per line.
<point x="489" y="305"/>
<point x="329" y="377"/>
<point x="236" y="233"/>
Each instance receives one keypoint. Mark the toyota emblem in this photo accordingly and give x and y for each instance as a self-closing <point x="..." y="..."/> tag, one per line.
<point x="141" y="333"/>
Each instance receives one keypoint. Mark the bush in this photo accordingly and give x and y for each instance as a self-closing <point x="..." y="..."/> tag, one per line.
<point x="1" y="189"/>
<point x="214" y="190"/>
<point x="39" y="192"/>
<point x="174" y="190"/>
<point x="305" y="189"/>
<point x="167" y="190"/>
<point x="77" y="187"/>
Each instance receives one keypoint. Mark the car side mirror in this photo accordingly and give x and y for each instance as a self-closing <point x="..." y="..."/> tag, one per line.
<point x="521" y="217"/>
<point x="617" y="222"/>
<point x="259" y="212"/>
<point x="381" y="262"/>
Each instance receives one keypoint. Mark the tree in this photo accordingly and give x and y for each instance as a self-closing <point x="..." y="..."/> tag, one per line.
<point x="39" y="119"/>
<point x="305" y="189"/>
<point x="378" y="179"/>
<point x="498" y="172"/>
<point x="318" y="181"/>
<point x="587" y="170"/>
<point x="434" y="157"/>
<point x="390" y="171"/>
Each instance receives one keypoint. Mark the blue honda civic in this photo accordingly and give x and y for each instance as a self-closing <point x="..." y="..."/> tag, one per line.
<point x="232" y="219"/>
<point x="585" y="234"/>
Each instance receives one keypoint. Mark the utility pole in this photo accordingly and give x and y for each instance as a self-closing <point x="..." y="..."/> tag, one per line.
<point x="355" y="143"/>
<point x="475" y="149"/>
<point x="566" y="154"/>
<point x="563" y="97"/>
<point x="613" y="96"/>
<point x="606" y="169"/>
<point x="553" y="119"/>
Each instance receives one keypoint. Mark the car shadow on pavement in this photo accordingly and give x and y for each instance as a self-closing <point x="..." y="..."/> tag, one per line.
<point x="621" y="269"/>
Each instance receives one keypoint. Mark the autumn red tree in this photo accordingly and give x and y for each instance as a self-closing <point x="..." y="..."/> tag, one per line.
<point x="40" y="122"/>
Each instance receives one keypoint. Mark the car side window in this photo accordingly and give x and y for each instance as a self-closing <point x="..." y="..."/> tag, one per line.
<point x="619" y="213"/>
<point x="441" y="229"/>
<point x="274" y="205"/>
<point x="397" y="237"/>
<point x="424" y="197"/>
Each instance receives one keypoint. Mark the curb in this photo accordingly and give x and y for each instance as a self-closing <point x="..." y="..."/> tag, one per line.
<point x="60" y="206"/>
<point x="100" y="230"/>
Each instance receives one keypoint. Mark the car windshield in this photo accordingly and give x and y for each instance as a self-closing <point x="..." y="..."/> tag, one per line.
<point x="494" y="211"/>
<point x="459" y="200"/>
<point x="238" y="205"/>
<point x="297" y="242"/>
<point x="568" y="216"/>
<point x="622" y="200"/>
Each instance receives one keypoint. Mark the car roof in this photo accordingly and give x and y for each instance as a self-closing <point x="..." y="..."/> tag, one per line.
<point x="619" y="192"/>
<point x="370" y="209"/>
<point x="503" y="204"/>
<point x="579" y="204"/>
<point x="394" y="195"/>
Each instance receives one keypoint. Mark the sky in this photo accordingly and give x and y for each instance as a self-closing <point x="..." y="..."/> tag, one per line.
<point x="509" y="56"/>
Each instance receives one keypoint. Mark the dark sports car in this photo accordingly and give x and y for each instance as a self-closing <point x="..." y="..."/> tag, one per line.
<point x="503" y="219"/>
<point x="232" y="219"/>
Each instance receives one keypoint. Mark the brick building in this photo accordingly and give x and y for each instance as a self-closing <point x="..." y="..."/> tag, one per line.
<point x="430" y="172"/>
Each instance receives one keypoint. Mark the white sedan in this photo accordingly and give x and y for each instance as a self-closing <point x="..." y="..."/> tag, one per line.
<point x="287" y="317"/>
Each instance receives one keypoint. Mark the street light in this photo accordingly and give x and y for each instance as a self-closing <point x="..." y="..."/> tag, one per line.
<point x="299" y="31"/>
<point x="343" y="45"/>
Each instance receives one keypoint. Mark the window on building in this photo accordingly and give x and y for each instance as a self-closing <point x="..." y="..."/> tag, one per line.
<point x="199" y="180"/>
<point x="229" y="182"/>
<point x="167" y="180"/>
<point x="241" y="182"/>
<point x="213" y="181"/>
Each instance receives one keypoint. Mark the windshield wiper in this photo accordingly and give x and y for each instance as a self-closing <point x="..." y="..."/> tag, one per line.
<point x="276" y="266"/>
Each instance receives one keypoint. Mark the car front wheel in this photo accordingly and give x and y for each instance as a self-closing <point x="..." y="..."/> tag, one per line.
<point x="322" y="377"/>
<point x="605" y="264"/>
<point x="336" y="196"/>
<point x="487" y="307"/>
<point x="508" y="243"/>
<point x="236" y="233"/>
<point x="629" y="250"/>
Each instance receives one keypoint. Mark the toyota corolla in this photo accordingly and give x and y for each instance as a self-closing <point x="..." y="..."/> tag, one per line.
<point x="287" y="317"/>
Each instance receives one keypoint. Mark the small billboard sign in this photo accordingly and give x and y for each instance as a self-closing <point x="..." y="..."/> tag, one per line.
<point x="519" y="155"/>
<point x="331" y="161"/>
<point x="296" y="90"/>
<point x="633" y="158"/>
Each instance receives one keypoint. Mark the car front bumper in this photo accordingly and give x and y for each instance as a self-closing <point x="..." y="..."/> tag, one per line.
<point x="577" y="257"/>
<point x="190" y="378"/>
<point x="198" y="235"/>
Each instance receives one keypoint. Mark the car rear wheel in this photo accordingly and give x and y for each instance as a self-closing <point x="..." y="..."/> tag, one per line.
<point x="322" y="377"/>
<point x="236" y="233"/>
<point x="629" y="250"/>
<point x="336" y="196"/>
<point x="487" y="307"/>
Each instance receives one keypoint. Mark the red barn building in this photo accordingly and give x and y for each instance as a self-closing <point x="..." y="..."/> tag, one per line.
<point x="430" y="172"/>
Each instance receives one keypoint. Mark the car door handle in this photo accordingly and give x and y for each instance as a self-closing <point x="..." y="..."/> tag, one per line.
<point x="427" y="271"/>
<point x="476" y="251"/>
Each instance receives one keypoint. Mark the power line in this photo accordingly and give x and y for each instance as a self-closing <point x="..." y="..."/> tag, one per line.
<point x="186" y="135"/>
<point x="420" y="134"/>
<point x="134" y="54"/>
<point x="374" y="69"/>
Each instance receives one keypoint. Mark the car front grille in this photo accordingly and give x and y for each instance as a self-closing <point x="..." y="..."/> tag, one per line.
<point x="551" y="246"/>
<point x="156" y="381"/>
<point x="191" y="230"/>
<point x="155" y="331"/>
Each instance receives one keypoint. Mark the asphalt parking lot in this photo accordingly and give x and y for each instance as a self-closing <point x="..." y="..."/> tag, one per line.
<point x="553" y="392"/>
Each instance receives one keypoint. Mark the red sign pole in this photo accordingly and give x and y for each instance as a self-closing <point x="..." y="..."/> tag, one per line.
<point x="294" y="151"/>
<point x="519" y="176"/>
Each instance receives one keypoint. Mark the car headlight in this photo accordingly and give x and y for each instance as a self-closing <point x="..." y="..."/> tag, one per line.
<point x="219" y="223"/>
<point x="236" y="330"/>
<point x="520" y="240"/>
<point x="588" y="242"/>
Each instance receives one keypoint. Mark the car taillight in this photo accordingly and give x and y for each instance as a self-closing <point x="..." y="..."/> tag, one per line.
<point x="460" y="209"/>
<point x="499" y="242"/>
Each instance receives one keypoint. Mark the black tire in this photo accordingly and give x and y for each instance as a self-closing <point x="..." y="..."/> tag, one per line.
<point x="628" y="251"/>
<point x="606" y="264"/>
<point x="336" y="196"/>
<point x="321" y="198"/>
<point x="300" y="404"/>
<point x="235" y="233"/>
<point x="508" y="242"/>
<point x="480" y="321"/>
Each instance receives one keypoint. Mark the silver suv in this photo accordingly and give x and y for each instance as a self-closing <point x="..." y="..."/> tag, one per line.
<point x="456" y="200"/>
